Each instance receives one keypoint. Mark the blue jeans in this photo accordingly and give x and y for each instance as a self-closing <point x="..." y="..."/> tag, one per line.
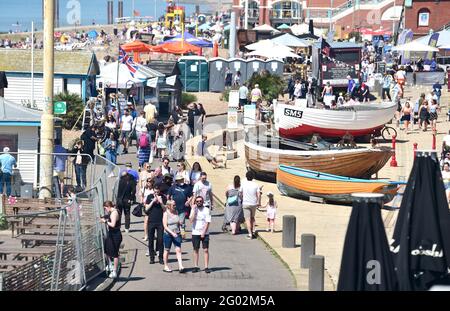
<point x="5" y="178"/>
<point x="111" y="156"/>
<point x="80" y="172"/>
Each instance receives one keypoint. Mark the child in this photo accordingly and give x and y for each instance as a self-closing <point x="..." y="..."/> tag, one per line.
<point x="271" y="210"/>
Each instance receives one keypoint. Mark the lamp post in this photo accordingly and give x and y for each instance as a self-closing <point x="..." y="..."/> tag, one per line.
<point x="47" y="126"/>
<point x="331" y="15"/>
<point x="246" y="15"/>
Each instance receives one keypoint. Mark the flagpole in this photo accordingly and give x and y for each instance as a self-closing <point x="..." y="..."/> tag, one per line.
<point x="117" y="85"/>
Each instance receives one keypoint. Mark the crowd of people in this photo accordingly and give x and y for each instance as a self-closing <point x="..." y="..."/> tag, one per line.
<point x="168" y="199"/>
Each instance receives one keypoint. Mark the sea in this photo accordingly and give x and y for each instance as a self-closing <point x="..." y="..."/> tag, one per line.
<point x="17" y="15"/>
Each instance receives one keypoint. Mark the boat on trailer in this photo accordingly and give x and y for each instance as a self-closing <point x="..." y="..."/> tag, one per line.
<point x="304" y="184"/>
<point x="358" y="120"/>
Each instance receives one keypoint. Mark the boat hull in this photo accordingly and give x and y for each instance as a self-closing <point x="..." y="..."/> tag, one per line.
<point x="294" y="121"/>
<point x="329" y="189"/>
<point x="357" y="163"/>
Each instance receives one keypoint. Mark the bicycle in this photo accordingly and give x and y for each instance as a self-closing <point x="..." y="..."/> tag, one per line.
<point x="387" y="132"/>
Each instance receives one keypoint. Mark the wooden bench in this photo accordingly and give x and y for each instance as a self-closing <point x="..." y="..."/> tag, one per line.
<point x="32" y="229"/>
<point x="38" y="239"/>
<point x="12" y="263"/>
<point x="34" y="252"/>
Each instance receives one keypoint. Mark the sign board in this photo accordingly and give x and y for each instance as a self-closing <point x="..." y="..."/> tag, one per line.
<point x="232" y="120"/>
<point x="233" y="99"/>
<point x="60" y="108"/>
<point x="249" y="114"/>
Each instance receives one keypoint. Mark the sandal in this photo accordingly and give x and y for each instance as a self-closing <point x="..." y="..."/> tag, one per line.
<point x="167" y="270"/>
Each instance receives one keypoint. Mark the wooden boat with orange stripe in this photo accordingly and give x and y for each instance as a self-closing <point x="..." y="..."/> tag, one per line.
<point x="264" y="154"/>
<point x="302" y="183"/>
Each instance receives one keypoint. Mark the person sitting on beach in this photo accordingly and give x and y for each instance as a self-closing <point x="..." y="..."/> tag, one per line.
<point x="202" y="150"/>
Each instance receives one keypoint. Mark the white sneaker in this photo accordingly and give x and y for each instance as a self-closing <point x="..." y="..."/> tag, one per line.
<point x="113" y="275"/>
<point x="127" y="230"/>
<point x="147" y="253"/>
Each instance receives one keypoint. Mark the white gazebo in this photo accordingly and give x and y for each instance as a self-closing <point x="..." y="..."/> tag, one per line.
<point x="415" y="46"/>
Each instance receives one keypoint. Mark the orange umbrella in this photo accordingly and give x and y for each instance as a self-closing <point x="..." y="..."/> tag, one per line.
<point x="178" y="47"/>
<point x="136" y="47"/>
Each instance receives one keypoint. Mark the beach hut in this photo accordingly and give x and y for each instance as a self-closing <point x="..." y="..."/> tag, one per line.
<point x="194" y="73"/>
<point x="274" y="66"/>
<point x="19" y="131"/>
<point x="217" y="69"/>
<point x="254" y="65"/>
<point x="239" y="64"/>
<point x="75" y="72"/>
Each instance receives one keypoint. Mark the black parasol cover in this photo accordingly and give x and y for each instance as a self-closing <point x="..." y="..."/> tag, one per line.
<point x="421" y="240"/>
<point x="367" y="263"/>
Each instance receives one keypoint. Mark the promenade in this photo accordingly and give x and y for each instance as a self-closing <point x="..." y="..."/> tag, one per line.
<point x="236" y="263"/>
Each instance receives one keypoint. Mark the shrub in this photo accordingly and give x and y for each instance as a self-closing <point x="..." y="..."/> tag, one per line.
<point x="75" y="109"/>
<point x="271" y="85"/>
<point x="3" y="223"/>
<point x="186" y="99"/>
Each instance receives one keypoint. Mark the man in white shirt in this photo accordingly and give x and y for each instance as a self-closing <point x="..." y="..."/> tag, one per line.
<point x="126" y="126"/>
<point x="297" y="89"/>
<point x="251" y="199"/>
<point x="243" y="95"/>
<point x="200" y="218"/>
<point x="203" y="188"/>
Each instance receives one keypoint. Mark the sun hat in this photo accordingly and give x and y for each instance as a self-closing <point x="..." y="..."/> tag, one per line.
<point x="269" y="194"/>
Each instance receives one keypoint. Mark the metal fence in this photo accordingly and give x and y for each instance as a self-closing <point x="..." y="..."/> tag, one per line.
<point x="78" y="256"/>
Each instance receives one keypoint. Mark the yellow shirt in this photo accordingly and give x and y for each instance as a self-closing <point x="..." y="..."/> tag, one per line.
<point x="150" y="111"/>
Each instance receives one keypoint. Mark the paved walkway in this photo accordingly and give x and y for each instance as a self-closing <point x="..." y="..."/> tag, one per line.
<point x="236" y="263"/>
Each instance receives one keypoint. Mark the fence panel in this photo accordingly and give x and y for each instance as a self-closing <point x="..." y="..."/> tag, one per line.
<point x="79" y="251"/>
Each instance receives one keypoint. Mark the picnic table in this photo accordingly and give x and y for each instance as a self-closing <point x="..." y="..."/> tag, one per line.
<point x="25" y="252"/>
<point x="37" y="238"/>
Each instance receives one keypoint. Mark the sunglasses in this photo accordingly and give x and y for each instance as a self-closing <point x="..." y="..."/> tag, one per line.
<point x="199" y="201"/>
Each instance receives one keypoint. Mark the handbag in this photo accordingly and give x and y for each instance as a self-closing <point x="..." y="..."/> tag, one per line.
<point x="137" y="210"/>
<point x="101" y="149"/>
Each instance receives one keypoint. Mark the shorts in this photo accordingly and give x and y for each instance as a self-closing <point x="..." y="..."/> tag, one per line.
<point x="406" y="117"/>
<point x="168" y="240"/>
<point x="196" y="242"/>
<point x="60" y="175"/>
<point x="125" y="134"/>
<point x="242" y="101"/>
<point x="249" y="211"/>
<point x="433" y="116"/>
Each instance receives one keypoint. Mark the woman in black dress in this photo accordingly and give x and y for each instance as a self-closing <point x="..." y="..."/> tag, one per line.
<point x="424" y="115"/>
<point x="114" y="237"/>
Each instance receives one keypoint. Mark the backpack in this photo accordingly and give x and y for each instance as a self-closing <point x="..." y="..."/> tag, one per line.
<point x="143" y="141"/>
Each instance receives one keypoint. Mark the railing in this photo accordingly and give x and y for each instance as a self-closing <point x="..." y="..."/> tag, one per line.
<point x="21" y="170"/>
<point x="325" y="13"/>
<point x="79" y="252"/>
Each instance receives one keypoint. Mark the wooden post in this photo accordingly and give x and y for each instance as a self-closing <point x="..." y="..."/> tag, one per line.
<point x="415" y="150"/>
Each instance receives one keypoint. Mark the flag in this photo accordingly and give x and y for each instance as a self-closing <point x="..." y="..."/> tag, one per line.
<point x="152" y="82"/>
<point x="325" y="47"/>
<point x="171" y="80"/>
<point x="128" y="61"/>
<point x="136" y="13"/>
